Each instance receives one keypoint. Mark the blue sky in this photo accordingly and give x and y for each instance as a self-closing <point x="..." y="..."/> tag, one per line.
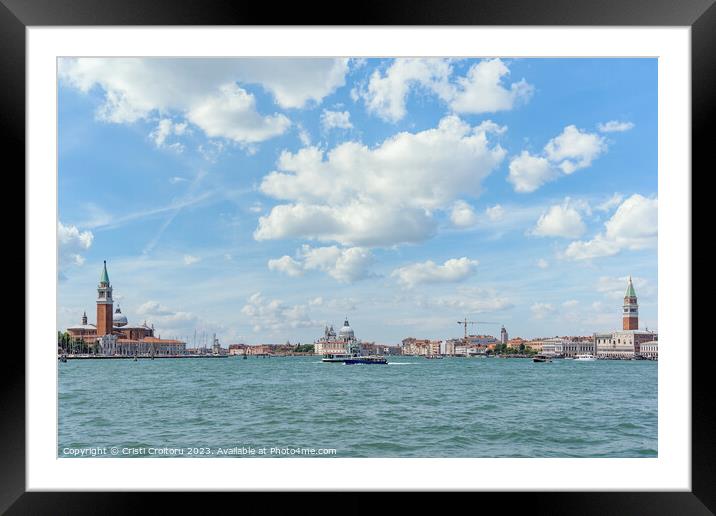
<point x="264" y="198"/>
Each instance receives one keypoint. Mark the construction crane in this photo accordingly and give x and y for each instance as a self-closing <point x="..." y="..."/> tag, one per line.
<point x="466" y="322"/>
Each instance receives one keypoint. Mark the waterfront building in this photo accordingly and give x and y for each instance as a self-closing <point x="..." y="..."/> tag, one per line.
<point x="238" y="349"/>
<point x="113" y="335"/>
<point x="343" y="342"/>
<point x="260" y="349"/>
<point x="534" y="345"/>
<point x="482" y="340"/>
<point x="627" y="342"/>
<point x="413" y="346"/>
<point x="372" y="348"/>
<point x="516" y="343"/>
<point x="567" y="346"/>
<point x="448" y="347"/>
<point x="504" y="338"/>
<point x="553" y="346"/>
<point x="622" y="344"/>
<point x="650" y="349"/>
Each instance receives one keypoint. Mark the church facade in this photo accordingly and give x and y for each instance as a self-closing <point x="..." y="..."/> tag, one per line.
<point x="113" y="335"/>
<point x="344" y="342"/>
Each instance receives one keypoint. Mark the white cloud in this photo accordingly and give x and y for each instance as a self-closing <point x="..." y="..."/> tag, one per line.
<point x="165" y="128"/>
<point x="482" y="91"/>
<point x="542" y="263"/>
<point x="169" y="322"/>
<point x="495" y="213"/>
<point x="574" y="149"/>
<point x="560" y="221"/>
<point x="274" y="315"/>
<point x="343" y="264"/>
<point x="470" y="301"/>
<point x="154" y="308"/>
<point x="138" y="88"/>
<point x="615" y="126"/>
<point x="633" y="226"/>
<point x="528" y="172"/>
<point x="231" y="113"/>
<point x="303" y="135"/>
<point x="614" y="200"/>
<point x="386" y="93"/>
<point x="452" y="271"/>
<point x="462" y="215"/>
<point x="191" y="260"/>
<point x="335" y="120"/>
<point x="71" y="243"/>
<point x="287" y="265"/>
<point x="140" y="85"/>
<point x="542" y="310"/>
<point x="385" y="195"/>
<point x="566" y="153"/>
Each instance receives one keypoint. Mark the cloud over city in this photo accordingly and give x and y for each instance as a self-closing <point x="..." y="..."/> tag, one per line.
<point x="386" y="195"/>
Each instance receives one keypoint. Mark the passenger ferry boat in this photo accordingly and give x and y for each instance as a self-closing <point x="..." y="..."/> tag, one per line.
<point x="587" y="357"/>
<point x="354" y="359"/>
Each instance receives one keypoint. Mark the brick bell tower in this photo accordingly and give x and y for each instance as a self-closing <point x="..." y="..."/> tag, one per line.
<point x="104" y="304"/>
<point x="630" y="315"/>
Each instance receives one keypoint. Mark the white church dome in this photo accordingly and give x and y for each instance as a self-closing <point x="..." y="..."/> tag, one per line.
<point x="119" y="319"/>
<point x="346" y="332"/>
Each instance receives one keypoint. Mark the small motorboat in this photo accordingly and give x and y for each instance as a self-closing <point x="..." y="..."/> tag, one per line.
<point x="541" y="358"/>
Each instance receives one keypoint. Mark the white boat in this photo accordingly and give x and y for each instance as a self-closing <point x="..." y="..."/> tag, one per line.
<point x="587" y="357"/>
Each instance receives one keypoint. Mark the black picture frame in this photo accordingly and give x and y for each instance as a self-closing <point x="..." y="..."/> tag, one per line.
<point x="16" y="15"/>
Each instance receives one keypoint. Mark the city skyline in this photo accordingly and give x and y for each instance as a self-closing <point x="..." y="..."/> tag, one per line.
<point x="263" y="199"/>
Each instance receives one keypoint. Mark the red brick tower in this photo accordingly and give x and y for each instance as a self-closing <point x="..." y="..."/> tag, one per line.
<point x="104" y="304"/>
<point x="630" y="315"/>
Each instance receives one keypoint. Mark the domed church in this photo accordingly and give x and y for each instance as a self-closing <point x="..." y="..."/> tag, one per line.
<point x="114" y="334"/>
<point x="344" y="342"/>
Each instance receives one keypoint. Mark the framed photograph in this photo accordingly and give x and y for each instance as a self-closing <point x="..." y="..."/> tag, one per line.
<point x="434" y="250"/>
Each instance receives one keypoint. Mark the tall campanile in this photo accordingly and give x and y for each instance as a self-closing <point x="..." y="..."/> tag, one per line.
<point x="630" y="315"/>
<point x="104" y="304"/>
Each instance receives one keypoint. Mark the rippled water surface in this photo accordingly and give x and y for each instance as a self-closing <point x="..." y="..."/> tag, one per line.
<point x="412" y="407"/>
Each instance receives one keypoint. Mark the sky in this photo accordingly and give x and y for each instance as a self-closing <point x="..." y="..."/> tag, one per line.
<point x="262" y="198"/>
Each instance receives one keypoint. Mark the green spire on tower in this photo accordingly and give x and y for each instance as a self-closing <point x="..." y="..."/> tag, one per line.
<point x="630" y="289"/>
<point x="105" y="277"/>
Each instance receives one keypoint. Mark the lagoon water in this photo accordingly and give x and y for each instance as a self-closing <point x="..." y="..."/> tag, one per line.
<point x="412" y="407"/>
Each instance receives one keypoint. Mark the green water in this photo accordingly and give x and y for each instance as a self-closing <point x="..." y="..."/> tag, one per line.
<point x="412" y="407"/>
